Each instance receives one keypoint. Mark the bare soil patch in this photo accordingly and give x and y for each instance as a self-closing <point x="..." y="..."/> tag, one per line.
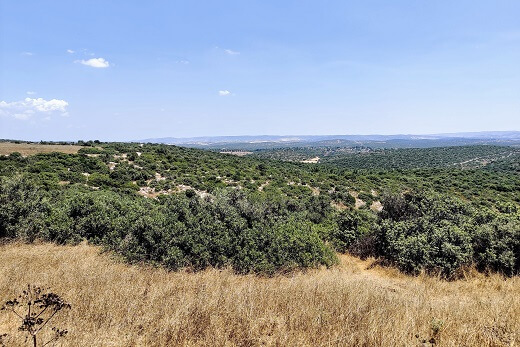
<point x="314" y="160"/>
<point x="237" y="153"/>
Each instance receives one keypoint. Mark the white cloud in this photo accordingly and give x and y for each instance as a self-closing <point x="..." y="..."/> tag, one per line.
<point x="70" y="51"/>
<point x="230" y="52"/>
<point x="31" y="93"/>
<point x="28" y="54"/>
<point x="43" y="105"/>
<point x="224" y="92"/>
<point x="30" y="107"/>
<point x="95" y="62"/>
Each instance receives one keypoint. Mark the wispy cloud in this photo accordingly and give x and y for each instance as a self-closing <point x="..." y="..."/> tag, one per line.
<point x="30" y="108"/>
<point x="231" y="52"/>
<point x="85" y="51"/>
<point x="70" y="51"/>
<point x="95" y="62"/>
<point x="224" y="92"/>
<point x="27" y="54"/>
<point x="227" y="51"/>
<point x="30" y="93"/>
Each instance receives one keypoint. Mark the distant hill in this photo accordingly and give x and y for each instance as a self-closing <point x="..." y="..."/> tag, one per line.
<point x="255" y="142"/>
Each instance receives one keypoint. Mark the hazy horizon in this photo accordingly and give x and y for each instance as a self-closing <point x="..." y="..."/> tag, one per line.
<point x="296" y="137"/>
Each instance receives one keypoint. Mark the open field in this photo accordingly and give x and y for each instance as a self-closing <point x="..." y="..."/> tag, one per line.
<point x="114" y="304"/>
<point x="26" y="149"/>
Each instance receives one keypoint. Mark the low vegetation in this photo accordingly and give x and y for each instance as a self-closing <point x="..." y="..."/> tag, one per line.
<point x="361" y="157"/>
<point x="203" y="209"/>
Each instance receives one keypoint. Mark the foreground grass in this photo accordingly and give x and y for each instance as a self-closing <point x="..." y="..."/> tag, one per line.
<point x="114" y="304"/>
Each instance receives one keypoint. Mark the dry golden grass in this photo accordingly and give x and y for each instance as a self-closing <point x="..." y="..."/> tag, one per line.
<point x="26" y="149"/>
<point x="114" y="304"/>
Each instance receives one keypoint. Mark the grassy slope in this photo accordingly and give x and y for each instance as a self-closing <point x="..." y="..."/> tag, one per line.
<point x="114" y="304"/>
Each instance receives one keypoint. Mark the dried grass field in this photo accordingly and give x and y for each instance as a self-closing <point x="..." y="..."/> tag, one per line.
<point x="115" y="304"/>
<point x="26" y="149"/>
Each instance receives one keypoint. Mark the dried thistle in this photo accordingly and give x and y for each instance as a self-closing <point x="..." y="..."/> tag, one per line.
<point x="36" y="307"/>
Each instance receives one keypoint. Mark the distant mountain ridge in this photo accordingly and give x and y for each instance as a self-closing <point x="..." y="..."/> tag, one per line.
<point x="397" y="140"/>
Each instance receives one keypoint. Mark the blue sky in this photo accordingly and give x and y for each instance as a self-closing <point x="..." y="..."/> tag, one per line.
<point x="124" y="70"/>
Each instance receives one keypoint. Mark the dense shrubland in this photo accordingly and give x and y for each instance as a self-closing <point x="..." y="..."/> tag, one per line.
<point x="362" y="157"/>
<point x="247" y="233"/>
<point x="209" y="209"/>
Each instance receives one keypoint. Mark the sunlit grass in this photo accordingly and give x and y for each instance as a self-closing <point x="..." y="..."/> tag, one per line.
<point x="115" y="304"/>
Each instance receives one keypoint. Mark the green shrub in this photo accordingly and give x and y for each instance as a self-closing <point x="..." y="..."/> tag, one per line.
<point x="425" y="231"/>
<point x="285" y="246"/>
<point x="348" y="228"/>
<point x="23" y="208"/>
<point x="497" y="246"/>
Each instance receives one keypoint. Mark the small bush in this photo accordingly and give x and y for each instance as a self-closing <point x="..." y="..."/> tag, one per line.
<point x="23" y="208"/>
<point x="349" y="228"/>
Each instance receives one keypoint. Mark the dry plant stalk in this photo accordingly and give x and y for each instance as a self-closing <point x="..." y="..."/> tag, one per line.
<point x="40" y="306"/>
